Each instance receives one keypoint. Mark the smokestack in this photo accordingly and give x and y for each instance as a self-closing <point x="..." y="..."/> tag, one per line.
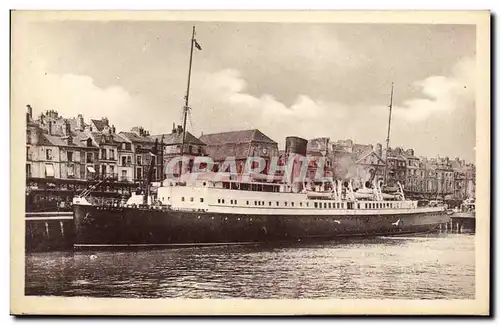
<point x="296" y="147"/>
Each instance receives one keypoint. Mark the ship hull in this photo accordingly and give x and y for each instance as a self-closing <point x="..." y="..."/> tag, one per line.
<point x="131" y="227"/>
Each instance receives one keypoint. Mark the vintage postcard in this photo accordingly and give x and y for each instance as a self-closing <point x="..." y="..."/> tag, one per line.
<point x="244" y="163"/>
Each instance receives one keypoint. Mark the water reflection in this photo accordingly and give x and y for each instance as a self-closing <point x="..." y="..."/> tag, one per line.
<point x="429" y="267"/>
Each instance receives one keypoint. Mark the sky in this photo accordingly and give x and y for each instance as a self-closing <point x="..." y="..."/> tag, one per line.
<point x="286" y="79"/>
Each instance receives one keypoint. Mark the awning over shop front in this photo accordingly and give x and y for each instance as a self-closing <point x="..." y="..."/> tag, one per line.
<point x="49" y="170"/>
<point x="91" y="169"/>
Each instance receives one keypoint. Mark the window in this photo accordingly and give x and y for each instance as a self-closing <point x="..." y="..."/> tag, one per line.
<point x="201" y="199"/>
<point x="315" y="204"/>
<point x="139" y="160"/>
<point x="71" y="170"/>
<point x="300" y="203"/>
<point x="48" y="154"/>
<point x="124" y="161"/>
<point x="248" y="202"/>
<point x="90" y="157"/>
<point x="191" y="199"/>
<point x="89" y="142"/>
<point x="270" y="203"/>
<point x="292" y="204"/>
<point x="222" y="201"/>
<point x="128" y="146"/>
<point x="124" y="175"/>
<point x="70" y="155"/>
<point x="218" y="200"/>
<point x="139" y="173"/>
<point x="112" y="170"/>
<point x="123" y="145"/>
<point x="286" y="203"/>
<point x="329" y="205"/>
<point x="235" y="201"/>
<point x="182" y="199"/>
<point x="103" y="153"/>
<point x="277" y="203"/>
<point x="255" y="202"/>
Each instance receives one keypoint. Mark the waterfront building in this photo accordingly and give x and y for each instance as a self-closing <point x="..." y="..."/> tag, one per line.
<point x="240" y="145"/>
<point x="172" y="147"/>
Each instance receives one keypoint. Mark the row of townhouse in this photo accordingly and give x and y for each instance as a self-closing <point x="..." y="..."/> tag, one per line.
<point x="62" y="148"/>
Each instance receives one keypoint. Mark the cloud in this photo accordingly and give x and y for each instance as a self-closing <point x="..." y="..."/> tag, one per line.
<point x="443" y="95"/>
<point x="71" y="94"/>
<point x="224" y="96"/>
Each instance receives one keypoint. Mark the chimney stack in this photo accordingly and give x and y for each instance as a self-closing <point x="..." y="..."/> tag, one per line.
<point x="113" y="129"/>
<point x="173" y="128"/>
<point x="50" y="127"/>
<point x="79" y="123"/>
<point x="29" y="112"/>
<point x="67" y="128"/>
<point x="179" y="129"/>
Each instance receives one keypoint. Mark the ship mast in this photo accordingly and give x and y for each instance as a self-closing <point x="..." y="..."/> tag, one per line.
<point x="161" y="159"/>
<point x="186" y="104"/>
<point x="388" y="135"/>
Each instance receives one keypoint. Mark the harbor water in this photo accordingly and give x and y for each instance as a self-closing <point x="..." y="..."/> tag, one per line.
<point x="434" y="266"/>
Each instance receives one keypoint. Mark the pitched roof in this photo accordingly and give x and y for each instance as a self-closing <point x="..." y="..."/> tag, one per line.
<point x="134" y="137"/>
<point x="108" y="138"/>
<point x="54" y="140"/>
<point x="236" y="137"/>
<point x="99" y="124"/>
<point x="176" y="138"/>
<point x="221" y="152"/>
<point x="367" y="153"/>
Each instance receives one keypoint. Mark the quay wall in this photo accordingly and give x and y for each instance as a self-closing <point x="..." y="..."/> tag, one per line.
<point x="49" y="231"/>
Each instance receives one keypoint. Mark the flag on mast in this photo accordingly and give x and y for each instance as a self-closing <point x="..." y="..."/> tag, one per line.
<point x="198" y="46"/>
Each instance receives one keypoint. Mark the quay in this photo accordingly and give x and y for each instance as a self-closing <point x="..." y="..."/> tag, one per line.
<point x="49" y="231"/>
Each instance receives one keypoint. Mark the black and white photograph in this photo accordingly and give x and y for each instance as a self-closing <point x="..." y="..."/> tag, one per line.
<point x="267" y="160"/>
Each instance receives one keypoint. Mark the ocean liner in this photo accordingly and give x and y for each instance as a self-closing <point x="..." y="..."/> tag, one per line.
<point x="214" y="208"/>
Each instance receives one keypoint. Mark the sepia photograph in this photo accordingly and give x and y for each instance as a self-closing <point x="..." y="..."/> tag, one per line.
<point x="243" y="163"/>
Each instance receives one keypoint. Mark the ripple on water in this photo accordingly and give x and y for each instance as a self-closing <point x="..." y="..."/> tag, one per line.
<point x="427" y="267"/>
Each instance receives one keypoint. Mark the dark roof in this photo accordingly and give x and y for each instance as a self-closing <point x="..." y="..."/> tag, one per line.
<point x="221" y="152"/>
<point x="134" y="137"/>
<point x="113" y="138"/>
<point x="54" y="140"/>
<point x="236" y="137"/>
<point x="99" y="124"/>
<point x="176" y="138"/>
